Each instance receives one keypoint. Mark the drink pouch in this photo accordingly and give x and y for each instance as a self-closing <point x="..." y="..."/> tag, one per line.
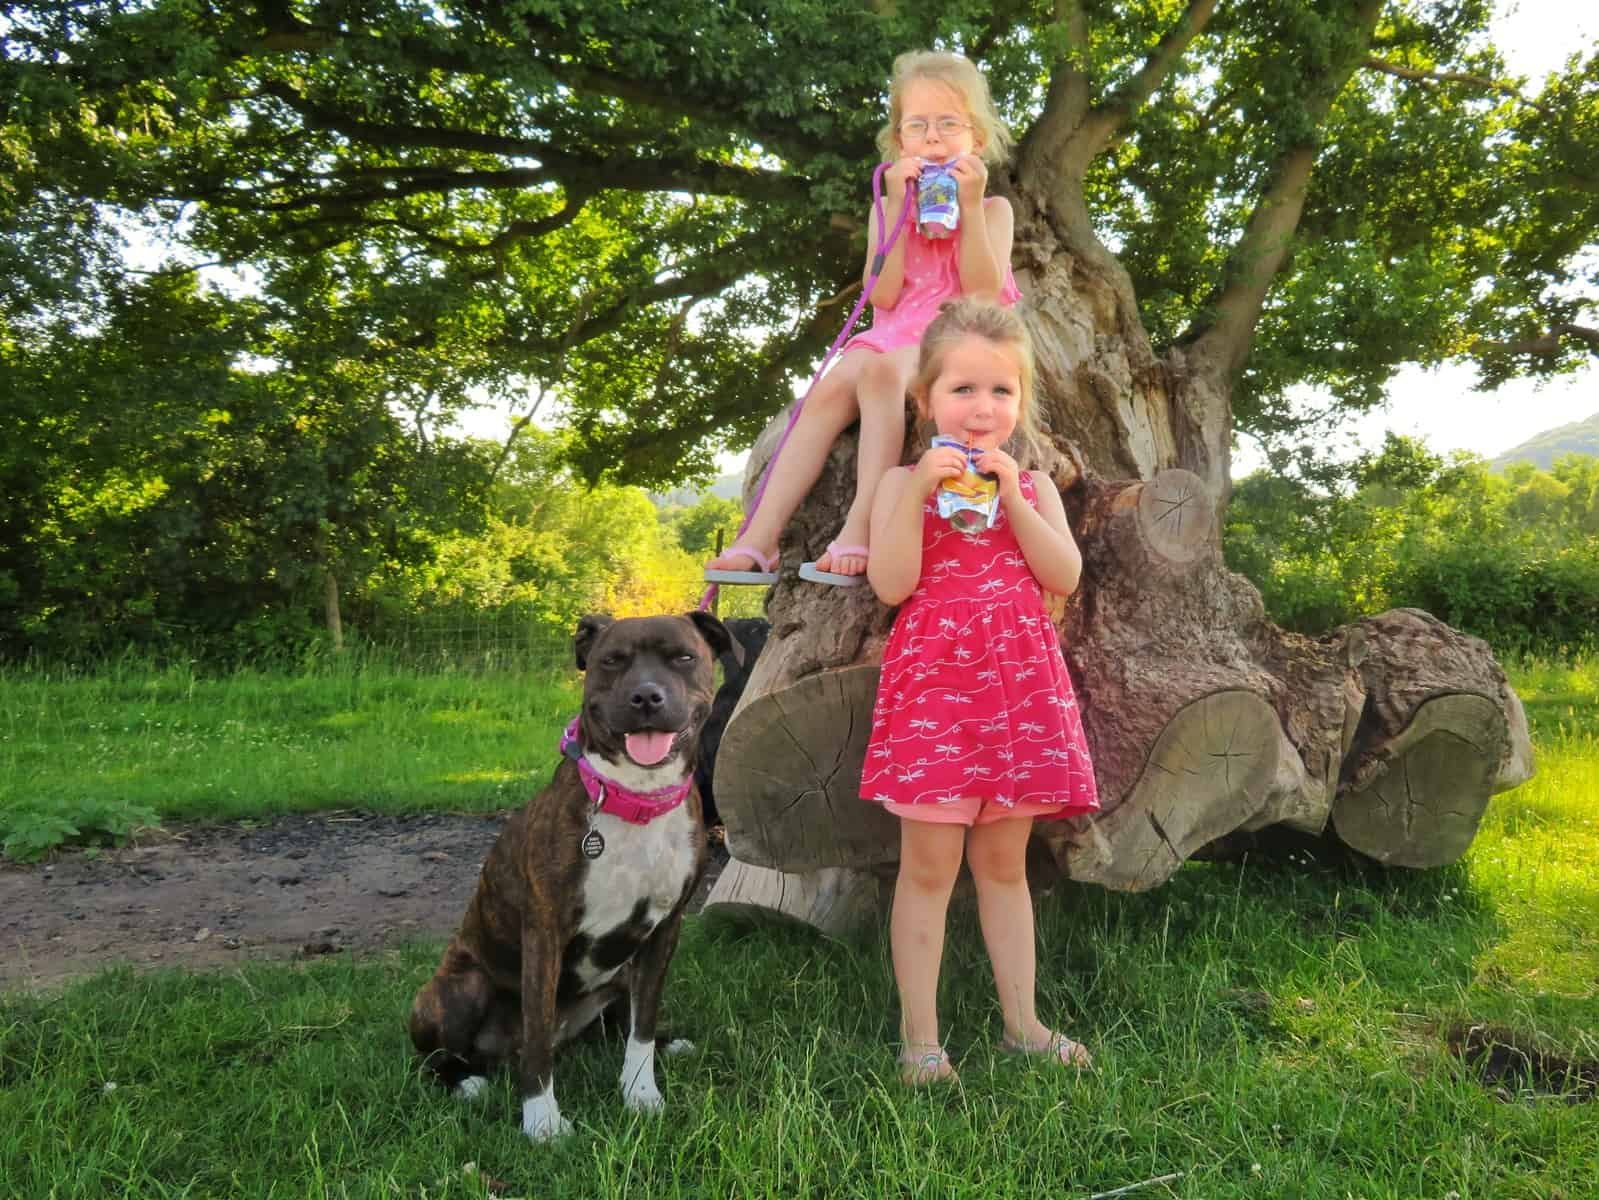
<point x="937" y="203"/>
<point x="971" y="502"/>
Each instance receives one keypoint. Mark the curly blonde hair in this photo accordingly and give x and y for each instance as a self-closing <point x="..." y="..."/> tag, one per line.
<point x="958" y="72"/>
<point x="958" y="319"/>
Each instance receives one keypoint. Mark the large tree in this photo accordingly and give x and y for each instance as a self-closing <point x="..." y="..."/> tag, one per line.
<point x="655" y="211"/>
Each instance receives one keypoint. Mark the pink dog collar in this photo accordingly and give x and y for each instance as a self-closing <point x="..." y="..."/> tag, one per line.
<point x="636" y="808"/>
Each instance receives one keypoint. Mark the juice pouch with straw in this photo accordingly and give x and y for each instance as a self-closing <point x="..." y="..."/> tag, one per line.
<point x="971" y="502"/>
<point x="937" y="201"/>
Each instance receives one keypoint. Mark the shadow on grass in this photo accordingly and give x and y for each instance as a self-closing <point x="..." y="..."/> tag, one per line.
<point x="1514" y="1065"/>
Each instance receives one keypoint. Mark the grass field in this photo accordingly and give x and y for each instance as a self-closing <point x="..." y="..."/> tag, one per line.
<point x="1265" y="1030"/>
<point x="175" y="745"/>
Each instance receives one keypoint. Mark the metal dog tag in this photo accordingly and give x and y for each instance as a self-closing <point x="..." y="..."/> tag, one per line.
<point x="593" y="843"/>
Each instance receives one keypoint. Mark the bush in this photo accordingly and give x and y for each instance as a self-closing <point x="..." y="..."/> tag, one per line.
<point x="32" y="829"/>
<point x="1518" y="597"/>
<point x="1513" y="559"/>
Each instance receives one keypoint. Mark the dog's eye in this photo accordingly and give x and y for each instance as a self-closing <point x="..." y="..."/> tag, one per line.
<point x="684" y="660"/>
<point x="611" y="661"/>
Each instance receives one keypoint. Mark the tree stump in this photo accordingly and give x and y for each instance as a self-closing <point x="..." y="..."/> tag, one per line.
<point x="1204" y="719"/>
<point x="801" y="748"/>
<point x="835" y="900"/>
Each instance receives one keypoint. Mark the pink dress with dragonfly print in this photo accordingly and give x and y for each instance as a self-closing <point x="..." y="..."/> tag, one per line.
<point x="974" y="698"/>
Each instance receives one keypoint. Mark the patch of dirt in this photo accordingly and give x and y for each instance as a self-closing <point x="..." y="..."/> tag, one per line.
<point x="1514" y="1067"/>
<point x="216" y="895"/>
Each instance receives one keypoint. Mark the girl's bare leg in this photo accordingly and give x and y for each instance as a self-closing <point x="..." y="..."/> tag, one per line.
<point x="881" y="392"/>
<point x="997" y="856"/>
<point x="929" y="858"/>
<point x="828" y="411"/>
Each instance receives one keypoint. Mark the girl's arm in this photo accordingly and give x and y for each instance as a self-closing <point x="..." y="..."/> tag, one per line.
<point x="987" y="234"/>
<point x="1044" y="536"/>
<point x="892" y="279"/>
<point x="895" y="565"/>
<point x="985" y="250"/>
<point x="1047" y="543"/>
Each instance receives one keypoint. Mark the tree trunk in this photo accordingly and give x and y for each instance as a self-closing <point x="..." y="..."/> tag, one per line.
<point x="330" y="608"/>
<point x="1204" y="719"/>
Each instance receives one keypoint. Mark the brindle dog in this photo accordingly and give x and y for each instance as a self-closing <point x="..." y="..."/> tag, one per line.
<point x="577" y="908"/>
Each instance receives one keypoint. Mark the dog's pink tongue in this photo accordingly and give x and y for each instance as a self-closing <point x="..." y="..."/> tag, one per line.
<point x="647" y="749"/>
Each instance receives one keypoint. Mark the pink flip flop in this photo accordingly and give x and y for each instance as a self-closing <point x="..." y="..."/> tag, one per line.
<point x="766" y="575"/>
<point x="815" y="574"/>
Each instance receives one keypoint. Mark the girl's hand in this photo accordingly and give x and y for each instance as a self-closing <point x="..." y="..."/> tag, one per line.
<point x="936" y="465"/>
<point x="902" y="172"/>
<point x="1003" y="468"/>
<point x="971" y="180"/>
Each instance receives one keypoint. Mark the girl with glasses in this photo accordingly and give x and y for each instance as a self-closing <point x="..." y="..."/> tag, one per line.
<point x="940" y="111"/>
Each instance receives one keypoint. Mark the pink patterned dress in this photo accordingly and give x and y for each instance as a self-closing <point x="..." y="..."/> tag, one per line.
<point x="932" y="276"/>
<point x="974" y="698"/>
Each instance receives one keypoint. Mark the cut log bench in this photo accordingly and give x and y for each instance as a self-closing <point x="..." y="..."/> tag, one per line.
<point x="1205" y="720"/>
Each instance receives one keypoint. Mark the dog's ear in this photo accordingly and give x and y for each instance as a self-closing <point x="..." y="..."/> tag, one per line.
<point x="716" y="636"/>
<point x="588" y="629"/>
<point x="749" y="633"/>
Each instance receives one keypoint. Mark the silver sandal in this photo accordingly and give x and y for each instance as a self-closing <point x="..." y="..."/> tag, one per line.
<point x="922" y="1070"/>
<point x="1059" y="1048"/>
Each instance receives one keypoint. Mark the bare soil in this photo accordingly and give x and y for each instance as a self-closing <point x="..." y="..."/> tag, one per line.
<point x="217" y="895"/>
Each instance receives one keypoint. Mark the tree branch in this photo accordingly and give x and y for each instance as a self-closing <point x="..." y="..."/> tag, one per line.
<point x="632" y="174"/>
<point x="287" y="34"/>
<point x="516" y="231"/>
<point x="726" y="267"/>
<point x="1112" y="117"/>
<point x="568" y="340"/>
<point x="1545" y="344"/>
<point x="1221" y="338"/>
<point x="1481" y="82"/>
<point x="1041" y="155"/>
<point x="669" y="352"/>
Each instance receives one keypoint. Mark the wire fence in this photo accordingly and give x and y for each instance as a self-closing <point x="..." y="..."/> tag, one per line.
<point x="514" y="637"/>
<point x="509" y="638"/>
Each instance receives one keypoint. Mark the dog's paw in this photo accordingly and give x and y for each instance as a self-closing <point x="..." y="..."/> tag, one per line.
<point x="471" y="1087"/>
<point x="638" y="1076"/>
<point x="644" y="1097"/>
<point x="542" y="1119"/>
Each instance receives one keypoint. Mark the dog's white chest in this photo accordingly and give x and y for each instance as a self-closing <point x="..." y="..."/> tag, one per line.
<point x="632" y="885"/>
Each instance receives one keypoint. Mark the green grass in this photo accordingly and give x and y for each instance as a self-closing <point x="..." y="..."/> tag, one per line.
<point x="185" y="746"/>
<point x="1268" y="1031"/>
<point x="1537" y="853"/>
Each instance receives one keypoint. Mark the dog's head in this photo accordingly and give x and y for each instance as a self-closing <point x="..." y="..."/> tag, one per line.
<point x="647" y="686"/>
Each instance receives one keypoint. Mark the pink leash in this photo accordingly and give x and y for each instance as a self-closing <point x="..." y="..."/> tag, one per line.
<point x="878" y="260"/>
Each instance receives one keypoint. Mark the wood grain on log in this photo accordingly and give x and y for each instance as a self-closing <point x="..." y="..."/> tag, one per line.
<point x="1420" y="803"/>
<point x="789" y="776"/>
<point x="1221" y="764"/>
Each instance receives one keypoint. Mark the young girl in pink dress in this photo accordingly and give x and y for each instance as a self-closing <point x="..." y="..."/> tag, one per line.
<point x="940" y="111"/>
<point x="976" y="732"/>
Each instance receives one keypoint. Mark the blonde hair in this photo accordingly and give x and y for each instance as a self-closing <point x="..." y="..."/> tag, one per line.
<point x="956" y="71"/>
<point x="960" y="319"/>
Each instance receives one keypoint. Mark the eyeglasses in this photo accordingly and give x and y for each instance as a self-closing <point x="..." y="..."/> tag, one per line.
<point x="916" y="128"/>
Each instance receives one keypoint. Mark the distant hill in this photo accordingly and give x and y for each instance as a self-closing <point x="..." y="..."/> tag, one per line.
<point x="728" y="487"/>
<point x="1580" y="437"/>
